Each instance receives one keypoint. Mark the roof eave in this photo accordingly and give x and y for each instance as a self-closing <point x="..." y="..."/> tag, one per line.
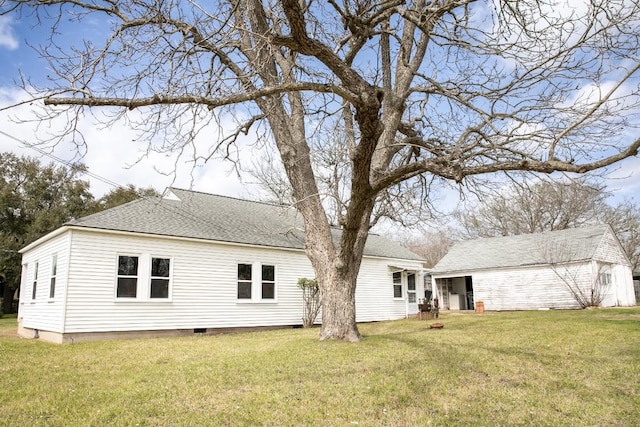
<point x="48" y="236"/>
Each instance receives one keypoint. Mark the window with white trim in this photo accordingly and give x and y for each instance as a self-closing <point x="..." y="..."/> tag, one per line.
<point x="54" y="272"/>
<point x="605" y="279"/>
<point x="411" y="287"/>
<point x="268" y="281"/>
<point x="397" y="284"/>
<point x="127" y="282"/>
<point x="35" y="282"/>
<point x="244" y="281"/>
<point x="256" y="282"/>
<point x="160" y="275"/>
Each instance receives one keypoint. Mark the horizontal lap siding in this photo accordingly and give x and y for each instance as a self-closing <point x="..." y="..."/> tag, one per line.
<point x="374" y="292"/>
<point x="204" y="286"/>
<point x="44" y="313"/>
<point x="610" y="251"/>
<point x="527" y="288"/>
<point x="620" y="292"/>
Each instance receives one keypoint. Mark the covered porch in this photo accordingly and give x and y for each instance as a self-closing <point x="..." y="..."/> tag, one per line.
<point x="454" y="293"/>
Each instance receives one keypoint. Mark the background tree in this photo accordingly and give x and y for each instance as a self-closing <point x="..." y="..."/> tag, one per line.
<point x="624" y="218"/>
<point x="34" y="200"/>
<point x="547" y="205"/>
<point x="447" y="88"/>
<point x="432" y="246"/>
<point x="407" y="203"/>
<point x="37" y="198"/>
<point x="121" y="195"/>
<point x="533" y="207"/>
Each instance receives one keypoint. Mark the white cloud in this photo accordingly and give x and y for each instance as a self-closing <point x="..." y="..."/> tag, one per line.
<point x="624" y="180"/>
<point x="8" y="39"/>
<point x="117" y="155"/>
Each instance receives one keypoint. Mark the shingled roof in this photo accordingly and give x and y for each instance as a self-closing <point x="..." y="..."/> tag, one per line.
<point x="575" y="244"/>
<point x="190" y="214"/>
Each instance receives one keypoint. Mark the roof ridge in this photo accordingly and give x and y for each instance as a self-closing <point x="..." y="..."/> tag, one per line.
<point x="231" y="197"/>
<point x="545" y="232"/>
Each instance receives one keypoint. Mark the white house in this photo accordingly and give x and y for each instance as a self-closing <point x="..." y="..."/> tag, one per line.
<point x="536" y="271"/>
<point x="191" y="262"/>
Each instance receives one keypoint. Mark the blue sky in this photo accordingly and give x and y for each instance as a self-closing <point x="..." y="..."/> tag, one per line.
<point x="117" y="154"/>
<point x="114" y="153"/>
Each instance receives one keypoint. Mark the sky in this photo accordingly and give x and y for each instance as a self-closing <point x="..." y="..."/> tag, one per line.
<point x="118" y="156"/>
<point x="115" y="154"/>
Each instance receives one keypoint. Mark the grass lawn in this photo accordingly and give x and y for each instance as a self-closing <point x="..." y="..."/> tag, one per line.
<point x="543" y="368"/>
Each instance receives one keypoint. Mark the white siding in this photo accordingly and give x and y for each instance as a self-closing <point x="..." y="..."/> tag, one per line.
<point x="374" y="293"/>
<point x="204" y="286"/>
<point x="620" y="293"/>
<point x="44" y="313"/>
<point x="527" y="288"/>
<point x="609" y="250"/>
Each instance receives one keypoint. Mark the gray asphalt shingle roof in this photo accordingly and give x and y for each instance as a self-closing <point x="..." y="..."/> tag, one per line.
<point x="573" y="244"/>
<point x="205" y="216"/>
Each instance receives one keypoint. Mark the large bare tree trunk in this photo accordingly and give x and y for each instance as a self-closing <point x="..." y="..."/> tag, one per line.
<point x="338" y="296"/>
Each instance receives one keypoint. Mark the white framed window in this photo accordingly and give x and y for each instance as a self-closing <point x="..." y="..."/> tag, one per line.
<point x="34" y="289"/>
<point x="397" y="284"/>
<point x="257" y="282"/>
<point x="245" y="281"/>
<point x="605" y="279"/>
<point x="411" y="287"/>
<point x="268" y="282"/>
<point x="160" y="278"/>
<point x="127" y="278"/>
<point x="54" y="273"/>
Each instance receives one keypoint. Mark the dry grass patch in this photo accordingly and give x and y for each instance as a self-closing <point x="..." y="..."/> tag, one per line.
<point x="529" y="368"/>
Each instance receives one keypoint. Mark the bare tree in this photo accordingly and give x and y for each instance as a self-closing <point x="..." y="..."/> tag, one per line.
<point x="447" y="88"/>
<point x="311" y="300"/>
<point x="625" y="221"/>
<point x="587" y="283"/>
<point x="535" y="206"/>
<point x="408" y="203"/>
<point x="432" y="246"/>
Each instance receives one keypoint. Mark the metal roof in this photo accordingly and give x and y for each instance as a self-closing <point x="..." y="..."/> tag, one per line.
<point x="575" y="244"/>
<point x="191" y="214"/>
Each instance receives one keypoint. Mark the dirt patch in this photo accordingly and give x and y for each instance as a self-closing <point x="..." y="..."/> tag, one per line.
<point x="9" y="333"/>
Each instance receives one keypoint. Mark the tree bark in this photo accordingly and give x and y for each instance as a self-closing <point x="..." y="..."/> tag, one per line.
<point x="7" y="299"/>
<point x="338" y="298"/>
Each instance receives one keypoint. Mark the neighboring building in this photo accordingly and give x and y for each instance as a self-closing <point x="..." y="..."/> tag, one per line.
<point x="536" y="271"/>
<point x="191" y="262"/>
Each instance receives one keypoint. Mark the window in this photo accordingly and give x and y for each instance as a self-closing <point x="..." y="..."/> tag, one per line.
<point x="605" y="279"/>
<point x="54" y="271"/>
<point x="411" y="287"/>
<point x="127" y="277"/>
<point x="244" y="281"/>
<point x="397" y="285"/>
<point x="268" y="282"/>
<point x="160" y="268"/>
<point x="35" y="281"/>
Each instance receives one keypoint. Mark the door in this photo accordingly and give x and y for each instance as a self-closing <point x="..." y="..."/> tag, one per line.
<point x="469" y="288"/>
<point x="412" y="299"/>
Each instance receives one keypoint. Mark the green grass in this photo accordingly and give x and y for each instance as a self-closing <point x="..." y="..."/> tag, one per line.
<point x="554" y="368"/>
